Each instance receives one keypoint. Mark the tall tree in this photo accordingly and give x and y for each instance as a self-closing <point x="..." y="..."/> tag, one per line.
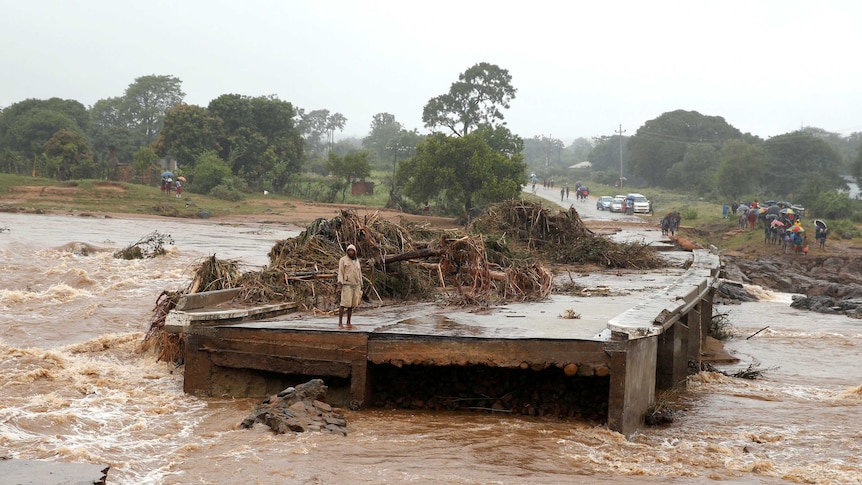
<point x="189" y="131"/>
<point x="542" y="152"/>
<point x="143" y="162"/>
<point x="149" y="98"/>
<point x="661" y="142"/>
<point x="696" y="172"/>
<point x="72" y="149"/>
<point x="462" y="170"/>
<point x="348" y="169"/>
<point x="798" y="162"/>
<point x="26" y="126"/>
<point x="856" y="167"/>
<point x="845" y="146"/>
<point x="384" y="129"/>
<point x="605" y="155"/>
<point x="260" y="142"/>
<point x="476" y="98"/>
<point x="740" y="168"/>
<point x="111" y="130"/>
<point x="580" y="149"/>
<point x="318" y="128"/>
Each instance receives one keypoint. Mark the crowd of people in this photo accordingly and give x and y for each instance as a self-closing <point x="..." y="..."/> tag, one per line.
<point x="782" y="224"/>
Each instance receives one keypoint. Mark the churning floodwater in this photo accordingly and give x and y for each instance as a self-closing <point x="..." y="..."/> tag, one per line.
<point x="75" y="387"/>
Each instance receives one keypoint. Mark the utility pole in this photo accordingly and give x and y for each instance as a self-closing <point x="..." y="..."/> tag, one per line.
<point x="620" y="132"/>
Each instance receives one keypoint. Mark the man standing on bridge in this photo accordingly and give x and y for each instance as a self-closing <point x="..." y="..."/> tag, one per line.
<point x="349" y="284"/>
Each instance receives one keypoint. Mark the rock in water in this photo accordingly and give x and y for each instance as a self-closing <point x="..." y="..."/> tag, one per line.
<point x="298" y="409"/>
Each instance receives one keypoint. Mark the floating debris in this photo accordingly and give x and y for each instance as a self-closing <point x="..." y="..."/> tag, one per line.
<point x="149" y="246"/>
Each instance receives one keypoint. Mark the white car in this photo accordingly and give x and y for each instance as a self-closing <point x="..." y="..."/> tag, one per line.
<point x="641" y="204"/>
<point x="617" y="203"/>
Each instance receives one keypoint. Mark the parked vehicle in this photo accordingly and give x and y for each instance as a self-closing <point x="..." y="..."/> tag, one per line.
<point x="617" y="203"/>
<point x="640" y="204"/>
<point x="604" y="203"/>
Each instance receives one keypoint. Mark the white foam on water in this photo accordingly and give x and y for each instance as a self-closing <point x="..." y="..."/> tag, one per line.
<point x="101" y="401"/>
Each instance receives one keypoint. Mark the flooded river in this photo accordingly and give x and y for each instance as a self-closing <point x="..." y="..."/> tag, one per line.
<point x="76" y="388"/>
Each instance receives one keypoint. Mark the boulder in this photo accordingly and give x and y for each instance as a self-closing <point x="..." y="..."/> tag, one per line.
<point x="298" y="409"/>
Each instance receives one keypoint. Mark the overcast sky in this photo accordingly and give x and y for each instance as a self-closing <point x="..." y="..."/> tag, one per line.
<point x="581" y="68"/>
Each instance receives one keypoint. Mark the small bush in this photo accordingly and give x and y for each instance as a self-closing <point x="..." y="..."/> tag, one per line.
<point x="689" y="214"/>
<point x="843" y="226"/>
<point x="720" y="327"/>
<point x="226" y="192"/>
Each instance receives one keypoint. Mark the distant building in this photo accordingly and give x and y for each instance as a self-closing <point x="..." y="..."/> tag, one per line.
<point x="582" y="165"/>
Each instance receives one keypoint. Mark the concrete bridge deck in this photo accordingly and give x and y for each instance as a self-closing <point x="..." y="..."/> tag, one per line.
<point x="640" y="341"/>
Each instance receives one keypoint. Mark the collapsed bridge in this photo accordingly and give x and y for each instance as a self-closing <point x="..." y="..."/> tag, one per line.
<point x="517" y="358"/>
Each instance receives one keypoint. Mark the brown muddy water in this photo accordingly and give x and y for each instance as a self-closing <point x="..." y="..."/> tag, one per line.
<point x="75" y="388"/>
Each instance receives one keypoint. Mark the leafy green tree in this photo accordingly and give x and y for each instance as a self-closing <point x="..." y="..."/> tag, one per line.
<point x="502" y="140"/>
<point x="73" y="151"/>
<point x="477" y="98"/>
<point x="384" y="130"/>
<point x="260" y="141"/>
<point x="346" y="145"/>
<point x="189" y="131"/>
<point x="844" y="146"/>
<point x="26" y="126"/>
<point x="148" y="99"/>
<point x="348" y="169"/>
<point x="696" y="172"/>
<point x="579" y="150"/>
<point x="797" y="162"/>
<point x="462" y="170"/>
<point x="541" y="152"/>
<point x="209" y="172"/>
<point x="111" y="133"/>
<point x="662" y="142"/>
<point x="856" y="166"/>
<point x="144" y="161"/>
<point x="12" y="161"/>
<point x="318" y="127"/>
<point x="605" y="155"/>
<point x="740" y="168"/>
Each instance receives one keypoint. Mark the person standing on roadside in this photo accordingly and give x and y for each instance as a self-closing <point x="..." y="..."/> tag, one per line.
<point x="349" y="284"/>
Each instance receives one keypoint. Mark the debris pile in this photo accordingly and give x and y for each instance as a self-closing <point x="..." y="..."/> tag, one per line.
<point x="401" y="261"/>
<point x="501" y="258"/>
<point x="530" y="230"/>
<point x="149" y="246"/>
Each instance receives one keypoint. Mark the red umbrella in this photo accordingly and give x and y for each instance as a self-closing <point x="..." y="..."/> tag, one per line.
<point x="797" y="229"/>
<point x="778" y="223"/>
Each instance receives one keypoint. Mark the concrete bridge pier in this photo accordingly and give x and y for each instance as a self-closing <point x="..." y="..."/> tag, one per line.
<point x="633" y="382"/>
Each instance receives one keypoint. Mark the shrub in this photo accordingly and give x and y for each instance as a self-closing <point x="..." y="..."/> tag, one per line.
<point x="843" y="226"/>
<point x="689" y="214"/>
<point x="226" y="192"/>
<point x="832" y="205"/>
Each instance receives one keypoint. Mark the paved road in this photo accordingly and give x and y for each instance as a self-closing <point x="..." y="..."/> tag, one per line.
<point x="635" y="228"/>
<point x="586" y="209"/>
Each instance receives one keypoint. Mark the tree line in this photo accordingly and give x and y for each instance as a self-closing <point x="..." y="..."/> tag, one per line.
<point x="240" y="144"/>
<point x="469" y="158"/>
